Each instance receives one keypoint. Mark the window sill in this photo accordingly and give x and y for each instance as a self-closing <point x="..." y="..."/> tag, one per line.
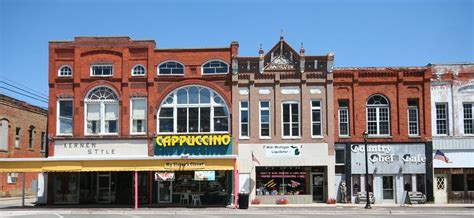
<point x="19" y="148"/>
<point x="344" y="137"/>
<point x="138" y="133"/>
<point x="64" y="135"/>
<point x="380" y="136"/>
<point x="265" y="138"/>
<point x="317" y="137"/>
<point x="102" y="134"/>
<point x="244" y="138"/>
<point x="414" y="136"/>
<point x="292" y="137"/>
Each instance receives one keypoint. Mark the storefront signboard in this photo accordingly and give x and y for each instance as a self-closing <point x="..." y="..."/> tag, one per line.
<point x="204" y="175"/>
<point x="194" y="145"/>
<point x="187" y="165"/>
<point x="389" y="158"/>
<point x="282" y="150"/>
<point x="100" y="148"/>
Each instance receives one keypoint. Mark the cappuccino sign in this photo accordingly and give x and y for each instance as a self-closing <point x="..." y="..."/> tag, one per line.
<point x="389" y="158"/>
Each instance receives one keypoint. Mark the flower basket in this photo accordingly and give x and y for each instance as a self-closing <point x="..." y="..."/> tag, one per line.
<point x="331" y="201"/>
<point x="282" y="201"/>
<point x="256" y="201"/>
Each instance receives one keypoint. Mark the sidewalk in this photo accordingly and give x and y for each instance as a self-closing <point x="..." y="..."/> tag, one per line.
<point x="323" y="205"/>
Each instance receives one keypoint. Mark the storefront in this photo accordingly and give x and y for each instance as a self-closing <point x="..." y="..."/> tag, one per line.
<point x="453" y="170"/>
<point x="300" y="173"/>
<point x="393" y="169"/>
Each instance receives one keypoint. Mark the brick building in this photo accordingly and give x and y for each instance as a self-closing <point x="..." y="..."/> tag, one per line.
<point x="393" y="106"/>
<point x="283" y="125"/>
<point x="22" y="134"/>
<point x="452" y="106"/>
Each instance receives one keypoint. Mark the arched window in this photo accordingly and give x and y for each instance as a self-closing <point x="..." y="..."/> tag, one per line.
<point x="138" y="70"/>
<point x="102" y="111"/>
<point x="378" y="115"/>
<point x="65" y="71"/>
<point x="215" y="67"/>
<point x="3" y="134"/>
<point x="171" y="68"/>
<point x="193" y="109"/>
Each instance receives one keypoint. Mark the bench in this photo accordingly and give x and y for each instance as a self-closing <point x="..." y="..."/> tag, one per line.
<point x="362" y="197"/>
<point x="417" y="197"/>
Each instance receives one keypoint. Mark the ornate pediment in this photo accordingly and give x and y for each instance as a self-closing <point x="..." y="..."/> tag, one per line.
<point x="281" y="63"/>
<point x="281" y="57"/>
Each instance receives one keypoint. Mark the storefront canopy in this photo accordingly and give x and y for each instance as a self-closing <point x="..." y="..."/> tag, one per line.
<point x="10" y="165"/>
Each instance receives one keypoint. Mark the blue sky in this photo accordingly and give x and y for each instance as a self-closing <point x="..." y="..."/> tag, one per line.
<point x="361" y="33"/>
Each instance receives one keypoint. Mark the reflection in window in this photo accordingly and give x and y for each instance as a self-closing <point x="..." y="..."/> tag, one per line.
<point x="102" y="70"/>
<point x="171" y="68"/>
<point x="65" y="116"/>
<point x="215" y="67"/>
<point x="283" y="180"/>
<point x="198" y="109"/>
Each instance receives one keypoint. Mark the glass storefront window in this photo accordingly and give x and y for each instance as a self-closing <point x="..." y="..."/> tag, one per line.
<point x="355" y="184"/>
<point x="283" y="180"/>
<point x="66" y="188"/>
<point x="457" y="182"/>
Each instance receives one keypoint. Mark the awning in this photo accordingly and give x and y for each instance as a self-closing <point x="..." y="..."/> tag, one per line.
<point x="18" y="165"/>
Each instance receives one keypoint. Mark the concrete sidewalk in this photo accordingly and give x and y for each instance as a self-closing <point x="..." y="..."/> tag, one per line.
<point x="323" y="205"/>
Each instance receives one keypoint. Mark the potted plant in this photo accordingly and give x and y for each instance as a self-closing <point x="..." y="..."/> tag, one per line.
<point x="256" y="201"/>
<point x="282" y="201"/>
<point x="331" y="201"/>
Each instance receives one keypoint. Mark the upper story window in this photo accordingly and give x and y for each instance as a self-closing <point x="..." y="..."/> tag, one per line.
<point x="413" y="126"/>
<point x="244" y="119"/>
<point x="215" y="67"/>
<point x="378" y="115"/>
<point x="17" y="137"/>
<point x="441" y="118"/>
<point x="343" y="117"/>
<point x="468" y="118"/>
<point x="316" y="125"/>
<point x="193" y="109"/>
<point x="101" y="111"/>
<point x="4" y="135"/>
<point x="264" y="119"/>
<point x="171" y="68"/>
<point x="138" y="70"/>
<point x="43" y="142"/>
<point x="31" y="137"/>
<point x="65" y="119"/>
<point x="291" y="119"/>
<point x="138" y="115"/>
<point x="102" y="70"/>
<point x="65" y="71"/>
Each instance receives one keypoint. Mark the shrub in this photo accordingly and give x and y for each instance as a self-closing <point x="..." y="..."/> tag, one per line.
<point x="256" y="201"/>
<point x="282" y="201"/>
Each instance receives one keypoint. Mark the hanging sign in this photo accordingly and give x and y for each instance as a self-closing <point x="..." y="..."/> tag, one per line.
<point x="164" y="176"/>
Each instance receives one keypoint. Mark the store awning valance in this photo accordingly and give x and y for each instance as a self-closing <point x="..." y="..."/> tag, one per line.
<point x="10" y="165"/>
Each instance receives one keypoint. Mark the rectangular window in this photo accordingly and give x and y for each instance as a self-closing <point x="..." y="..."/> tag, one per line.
<point x="457" y="183"/>
<point x="111" y="118"/>
<point x="93" y="118"/>
<point x="340" y="156"/>
<point x="265" y="119"/>
<point x="355" y="184"/>
<point x="468" y="118"/>
<point x="407" y="183"/>
<point x="31" y="136"/>
<point x="291" y="120"/>
<point x="244" y="119"/>
<point x="283" y="181"/>
<point x="441" y="118"/>
<point x="65" y="119"/>
<point x="413" y="118"/>
<point x="4" y="135"/>
<point x="420" y="183"/>
<point x="11" y="178"/>
<point x="43" y="141"/>
<point x="102" y="70"/>
<point x="17" y="137"/>
<point x="316" y="127"/>
<point x="166" y="119"/>
<point x="138" y="115"/>
<point x="221" y="121"/>
<point x="343" y="118"/>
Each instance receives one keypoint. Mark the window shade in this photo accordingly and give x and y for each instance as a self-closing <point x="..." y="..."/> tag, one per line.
<point x="139" y="109"/>
<point x="111" y="112"/>
<point x="93" y="112"/>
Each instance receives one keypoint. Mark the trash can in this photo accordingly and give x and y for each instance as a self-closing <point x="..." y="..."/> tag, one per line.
<point x="243" y="200"/>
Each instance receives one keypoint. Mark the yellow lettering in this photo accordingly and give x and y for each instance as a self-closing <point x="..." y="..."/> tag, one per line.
<point x="182" y="140"/>
<point x="158" y="140"/>
<point x="205" y="140"/>
<point x="198" y="140"/>
<point x="190" y="141"/>
<point x="218" y="140"/>
<point x="166" y="141"/>
<point x="226" y="139"/>
<point x="174" y="140"/>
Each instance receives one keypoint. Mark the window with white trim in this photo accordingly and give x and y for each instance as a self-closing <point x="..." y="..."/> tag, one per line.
<point x="441" y="118"/>
<point x="102" y="70"/>
<point x="138" y="115"/>
<point x="31" y="138"/>
<point x="264" y="119"/>
<point x="316" y="127"/>
<point x="193" y="109"/>
<point x="468" y="118"/>
<point x="138" y="70"/>
<point x="12" y="178"/>
<point x="215" y="67"/>
<point x="4" y="135"/>
<point x="343" y="114"/>
<point x="171" y="68"/>
<point x="413" y="126"/>
<point x="102" y="109"/>
<point x="65" y="119"/>
<point x="65" y="71"/>
<point x="43" y="142"/>
<point x="17" y="137"/>
<point x="378" y="116"/>
<point x="291" y="119"/>
<point x="244" y="119"/>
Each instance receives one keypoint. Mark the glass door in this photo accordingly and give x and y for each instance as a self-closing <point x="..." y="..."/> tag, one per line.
<point x="387" y="188"/>
<point x="318" y="187"/>
<point x="165" y="191"/>
<point x="103" y="187"/>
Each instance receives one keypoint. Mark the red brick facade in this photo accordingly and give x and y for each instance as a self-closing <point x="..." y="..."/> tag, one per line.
<point x="124" y="54"/>
<point x="18" y="114"/>
<point x="398" y="85"/>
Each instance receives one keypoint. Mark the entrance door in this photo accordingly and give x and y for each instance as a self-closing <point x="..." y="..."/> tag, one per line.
<point x="441" y="189"/>
<point x="165" y="191"/>
<point x="318" y="187"/>
<point x="388" y="191"/>
<point x="103" y="187"/>
<point x="339" y="179"/>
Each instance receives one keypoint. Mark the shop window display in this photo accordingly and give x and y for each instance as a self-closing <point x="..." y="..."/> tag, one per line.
<point x="283" y="180"/>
